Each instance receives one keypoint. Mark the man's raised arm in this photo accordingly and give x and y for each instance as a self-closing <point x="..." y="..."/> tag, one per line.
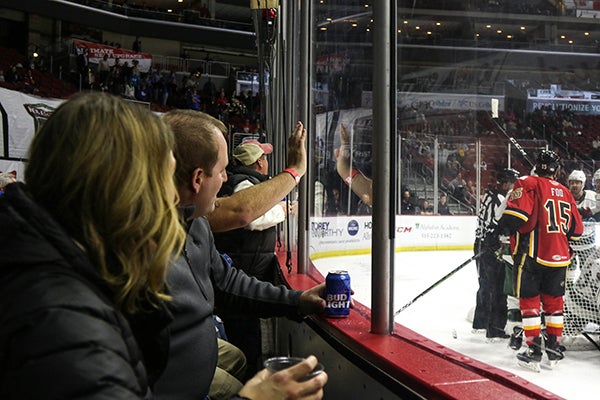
<point x="361" y="185"/>
<point x="246" y="205"/>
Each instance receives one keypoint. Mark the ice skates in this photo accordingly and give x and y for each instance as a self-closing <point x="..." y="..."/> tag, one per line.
<point x="554" y="351"/>
<point x="494" y="334"/>
<point x="531" y="358"/>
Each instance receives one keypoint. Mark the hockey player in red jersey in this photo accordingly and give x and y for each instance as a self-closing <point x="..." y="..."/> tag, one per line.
<point x="542" y="215"/>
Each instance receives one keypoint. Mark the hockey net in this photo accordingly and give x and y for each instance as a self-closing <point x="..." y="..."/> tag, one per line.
<point x="582" y="292"/>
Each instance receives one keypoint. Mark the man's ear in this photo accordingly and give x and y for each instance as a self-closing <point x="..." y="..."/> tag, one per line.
<point x="196" y="179"/>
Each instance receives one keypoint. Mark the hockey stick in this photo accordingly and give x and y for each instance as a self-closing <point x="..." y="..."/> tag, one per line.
<point x="514" y="142"/>
<point x="588" y="337"/>
<point x="449" y="274"/>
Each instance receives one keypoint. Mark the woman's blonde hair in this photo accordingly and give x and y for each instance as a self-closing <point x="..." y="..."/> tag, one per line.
<point x="102" y="168"/>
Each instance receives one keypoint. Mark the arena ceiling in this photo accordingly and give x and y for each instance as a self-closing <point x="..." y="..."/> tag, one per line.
<point x="235" y="10"/>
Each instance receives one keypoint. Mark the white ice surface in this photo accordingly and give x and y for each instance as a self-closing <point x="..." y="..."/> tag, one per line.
<point x="445" y="309"/>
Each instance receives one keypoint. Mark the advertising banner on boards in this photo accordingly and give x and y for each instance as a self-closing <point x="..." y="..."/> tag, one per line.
<point x="21" y="115"/>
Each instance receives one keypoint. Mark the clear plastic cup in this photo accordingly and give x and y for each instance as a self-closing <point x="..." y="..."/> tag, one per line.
<point x="275" y="364"/>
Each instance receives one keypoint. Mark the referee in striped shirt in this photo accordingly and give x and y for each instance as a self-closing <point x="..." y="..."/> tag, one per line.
<point x="491" y="309"/>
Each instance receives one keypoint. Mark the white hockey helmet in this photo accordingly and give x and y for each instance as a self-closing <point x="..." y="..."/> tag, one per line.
<point x="597" y="175"/>
<point x="577" y="175"/>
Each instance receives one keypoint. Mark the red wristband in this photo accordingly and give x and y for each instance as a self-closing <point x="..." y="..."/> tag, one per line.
<point x="293" y="173"/>
<point x="353" y="173"/>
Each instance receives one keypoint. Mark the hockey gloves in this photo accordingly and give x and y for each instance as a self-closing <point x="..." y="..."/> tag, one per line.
<point x="491" y="242"/>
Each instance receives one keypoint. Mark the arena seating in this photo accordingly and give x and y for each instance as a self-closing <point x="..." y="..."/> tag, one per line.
<point x="46" y="84"/>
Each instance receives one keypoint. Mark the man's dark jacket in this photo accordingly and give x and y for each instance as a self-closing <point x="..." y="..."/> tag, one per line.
<point x="199" y="280"/>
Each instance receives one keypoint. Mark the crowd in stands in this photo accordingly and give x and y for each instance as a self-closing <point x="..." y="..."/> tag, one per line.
<point x="21" y="78"/>
<point x="169" y="88"/>
<point x="412" y="205"/>
<point x="165" y="90"/>
<point x="573" y="136"/>
<point x="30" y="75"/>
<point x="161" y="89"/>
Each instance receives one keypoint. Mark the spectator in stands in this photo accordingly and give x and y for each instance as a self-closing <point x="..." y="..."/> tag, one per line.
<point x="236" y="107"/>
<point x="201" y="278"/>
<point x="194" y="100"/>
<point x="453" y="166"/>
<point x="246" y="126"/>
<point x="244" y="206"/>
<point x="155" y="85"/>
<point x="191" y="81"/>
<point x="406" y="204"/>
<point x="2" y="76"/>
<point x="12" y="75"/>
<point x="209" y="90"/>
<point x="169" y="86"/>
<point x="471" y="193"/>
<point x="333" y="202"/>
<point x="252" y="247"/>
<point x="129" y="90"/>
<point x="443" y="208"/>
<point x="29" y="83"/>
<point x="31" y="64"/>
<point x="115" y="84"/>
<point x="320" y="199"/>
<point x="426" y="209"/>
<point x="126" y="71"/>
<point x="418" y="204"/>
<point x="143" y="93"/>
<point x="258" y="130"/>
<point x="197" y="10"/>
<point x="137" y="45"/>
<point x="204" y="11"/>
<point x="77" y="257"/>
<point x="135" y="74"/>
<point x="221" y="99"/>
<point x="457" y="187"/>
<point x="103" y="72"/>
<point x="246" y="98"/>
<point x="83" y="67"/>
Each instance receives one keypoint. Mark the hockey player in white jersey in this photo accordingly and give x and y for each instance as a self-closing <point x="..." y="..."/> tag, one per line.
<point x="596" y="181"/>
<point x="585" y="199"/>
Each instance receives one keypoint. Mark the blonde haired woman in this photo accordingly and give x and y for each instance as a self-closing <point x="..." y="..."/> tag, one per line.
<point x="84" y="245"/>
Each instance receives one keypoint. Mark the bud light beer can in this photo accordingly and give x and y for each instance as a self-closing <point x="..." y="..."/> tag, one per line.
<point x="338" y="294"/>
